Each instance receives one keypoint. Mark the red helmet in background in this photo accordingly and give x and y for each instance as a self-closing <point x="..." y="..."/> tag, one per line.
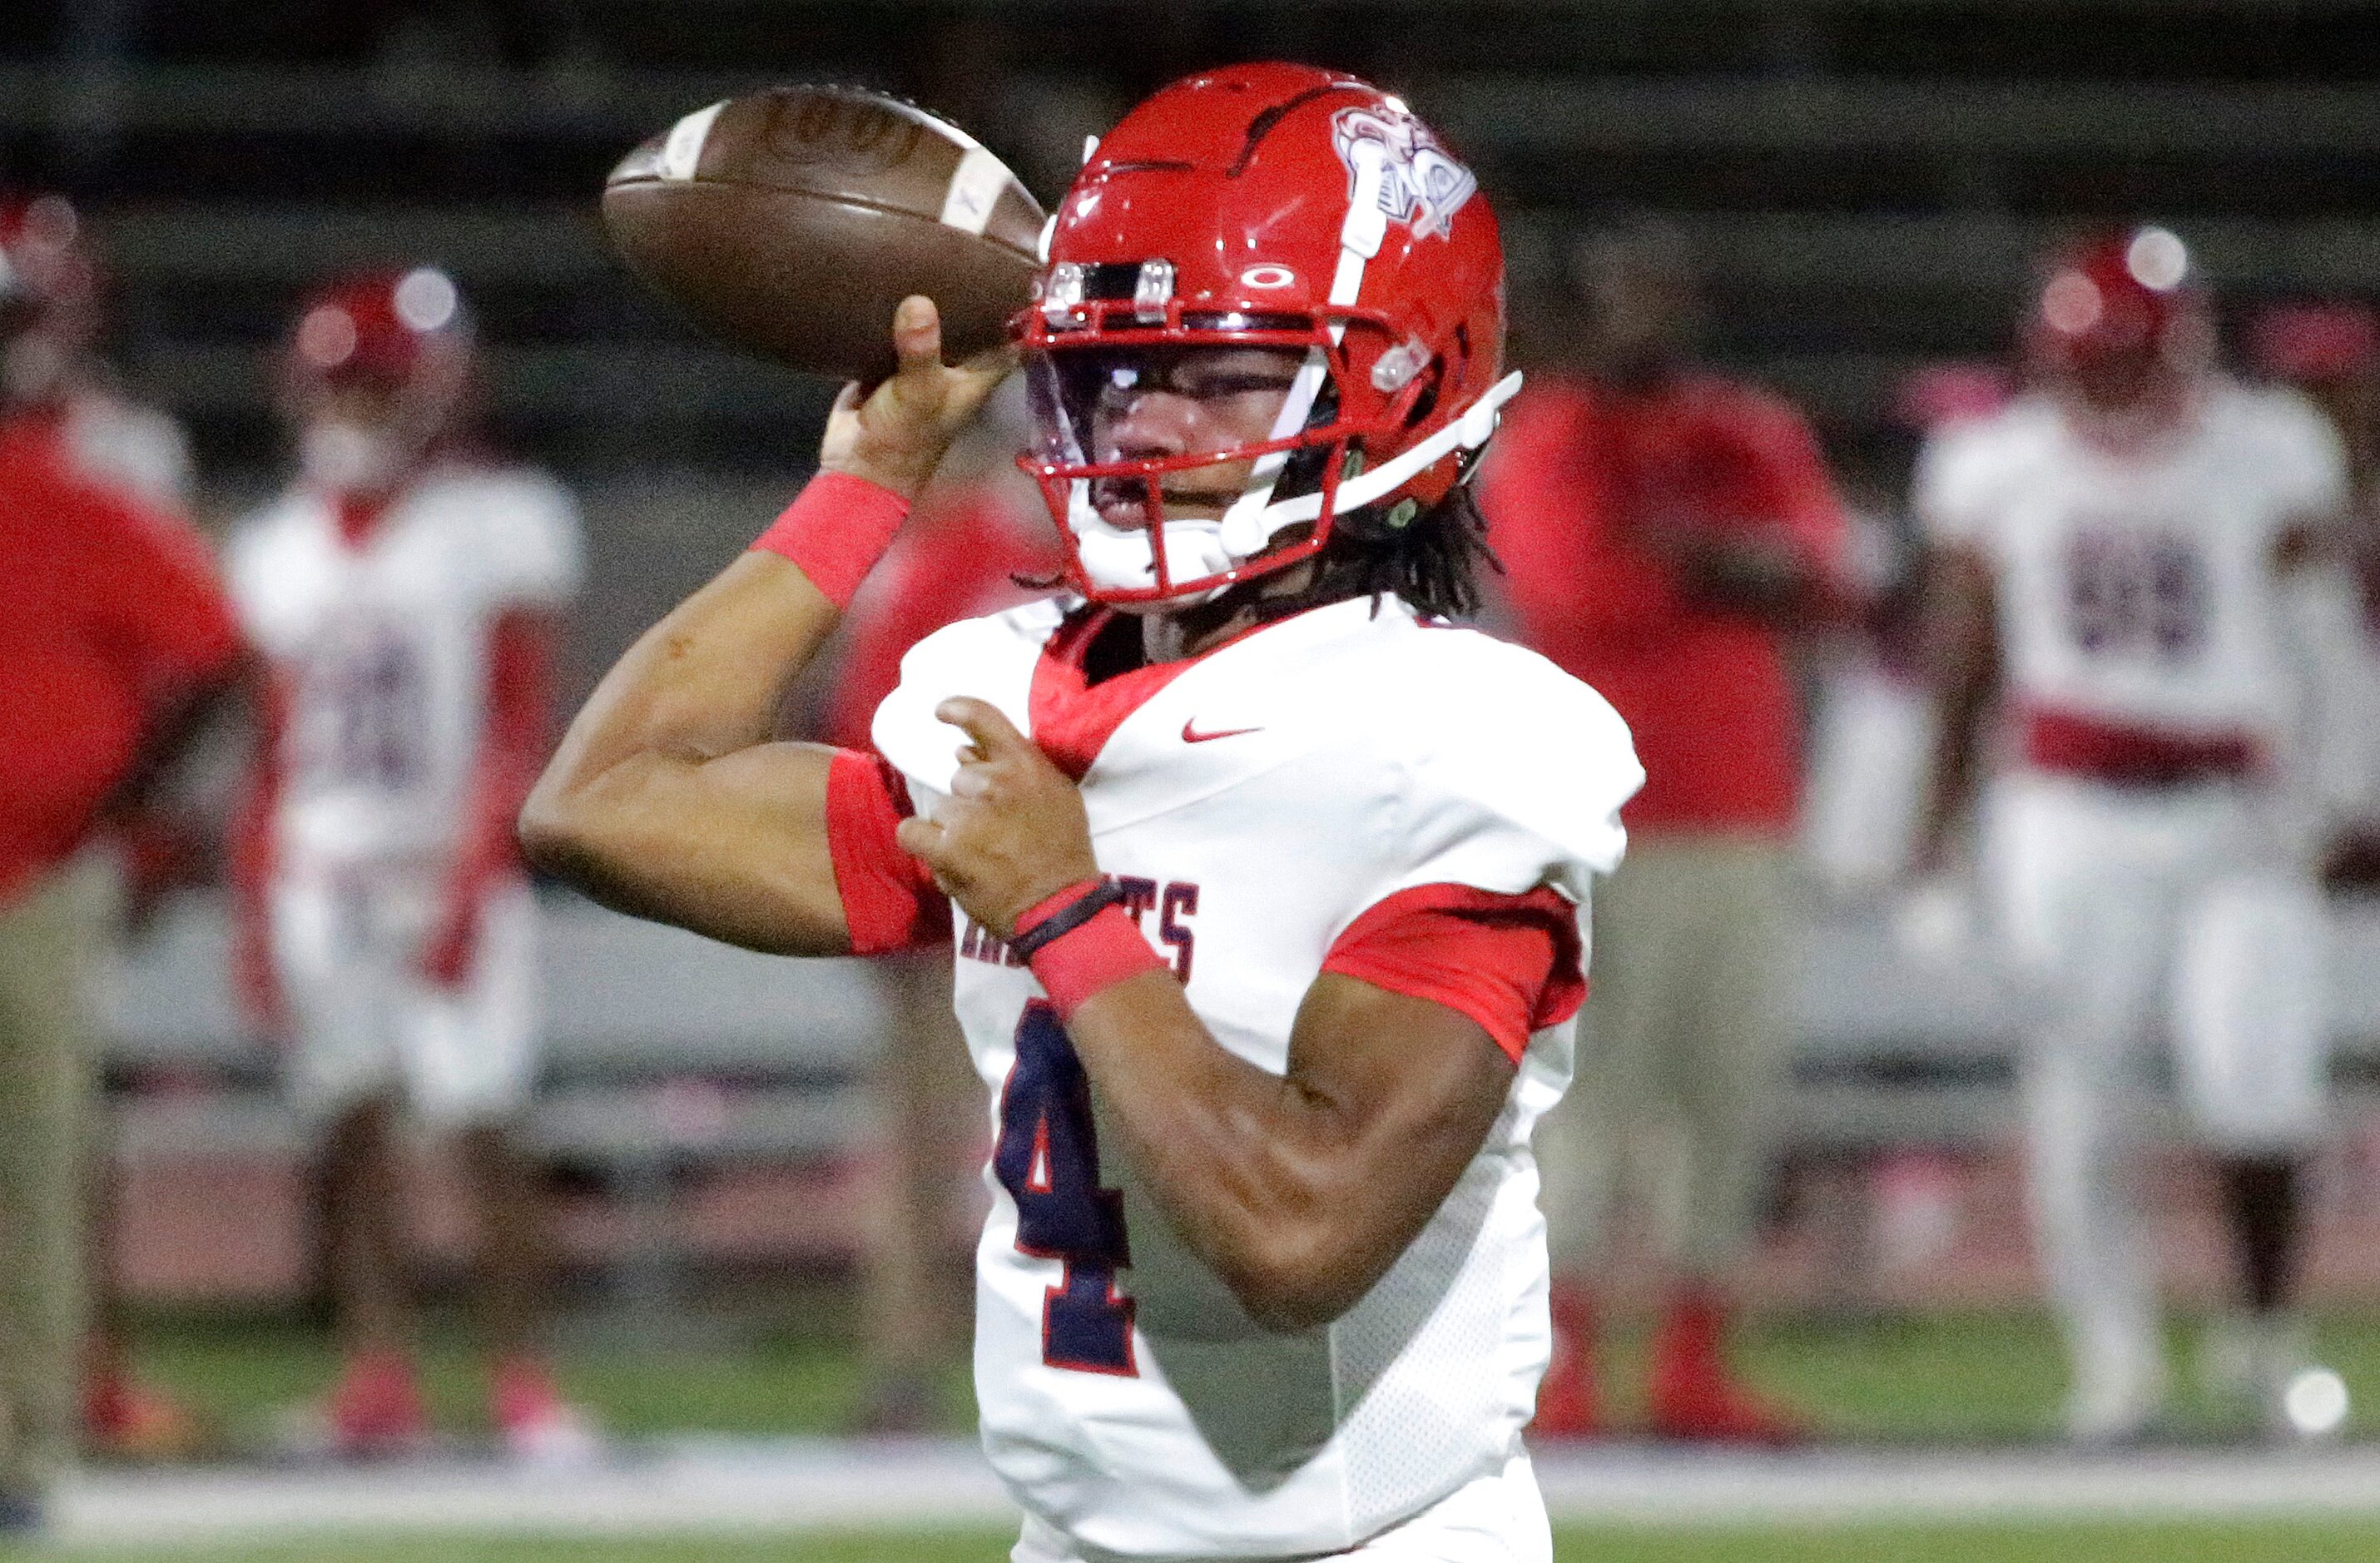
<point x="1275" y="206"/>
<point x="404" y="331"/>
<point x="376" y="369"/>
<point x="2125" y="302"/>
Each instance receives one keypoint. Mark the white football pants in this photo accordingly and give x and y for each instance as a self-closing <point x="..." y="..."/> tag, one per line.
<point x="1498" y="1518"/>
<point x="2183" y="914"/>
<point x="369" y="1023"/>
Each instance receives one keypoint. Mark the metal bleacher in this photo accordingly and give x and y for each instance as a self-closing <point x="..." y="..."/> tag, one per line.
<point x="1868" y="177"/>
<point x="661" y="1044"/>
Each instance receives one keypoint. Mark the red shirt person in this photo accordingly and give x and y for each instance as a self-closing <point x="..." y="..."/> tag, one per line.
<point x="962" y="554"/>
<point x="1610" y="507"/>
<point x="116" y="635"/>
<point x="115" y="621"/>
<point x="973" y="537"/>
<point x="1662" y="529"/>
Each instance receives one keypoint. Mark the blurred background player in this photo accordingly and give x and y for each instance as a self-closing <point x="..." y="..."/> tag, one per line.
<point x="1663" y="529"/>
<point x="2113" y="562"/>
<point x="117" y="638"/>
<point x="977" y="533"/>
<point x="407" y="595"/>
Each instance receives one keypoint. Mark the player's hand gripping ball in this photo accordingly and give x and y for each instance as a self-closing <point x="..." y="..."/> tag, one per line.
<point x="792" y="221"/>
<point x="895" y="435"/>
<point x="1012" y="831"/>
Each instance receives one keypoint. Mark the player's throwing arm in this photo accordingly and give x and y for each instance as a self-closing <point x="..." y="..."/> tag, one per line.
<point x="667" y="798"/>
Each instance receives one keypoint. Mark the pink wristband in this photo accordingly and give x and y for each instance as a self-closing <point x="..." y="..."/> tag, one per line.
<point x="836" y="529"/>
<point x="1087" y="960"/>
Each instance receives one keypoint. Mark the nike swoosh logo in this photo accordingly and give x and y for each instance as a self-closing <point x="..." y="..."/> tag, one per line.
<point x="1190" y="735"/>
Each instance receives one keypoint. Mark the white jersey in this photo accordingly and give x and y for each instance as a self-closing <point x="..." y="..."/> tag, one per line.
<point x="1252" y="809"/>
<point x="2138" y="587"/>
<point x="383" y="647"/>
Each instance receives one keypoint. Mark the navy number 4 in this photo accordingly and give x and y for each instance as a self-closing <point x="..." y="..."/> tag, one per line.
<point x="1048" y="1159"/>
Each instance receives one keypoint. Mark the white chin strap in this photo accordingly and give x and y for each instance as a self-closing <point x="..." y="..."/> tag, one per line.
<point x="1120" y="559"/>
<point x="1123" y="559"/>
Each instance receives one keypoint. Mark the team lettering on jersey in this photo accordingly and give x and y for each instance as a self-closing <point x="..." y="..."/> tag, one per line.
<point x="1171" y="901"/>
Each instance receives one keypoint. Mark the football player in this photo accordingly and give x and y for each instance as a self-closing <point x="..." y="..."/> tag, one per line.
<point x="1266" y="883"/>
<point x="54" y="362"/>
<point x="2115" y="556"/>
<point x="406" y="596"/>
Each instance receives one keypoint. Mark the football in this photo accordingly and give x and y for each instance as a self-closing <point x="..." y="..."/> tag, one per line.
<point x="792" y="221"/>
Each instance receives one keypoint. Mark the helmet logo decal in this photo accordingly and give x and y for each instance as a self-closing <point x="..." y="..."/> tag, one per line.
<point x="1268" y="276"/>
<point x="1420" y="184"/>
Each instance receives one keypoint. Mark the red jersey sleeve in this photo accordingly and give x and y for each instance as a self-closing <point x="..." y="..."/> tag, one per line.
<point x="889" y="898"/>
<point x="169" y="608"/>
<point x="1512" y="962"/>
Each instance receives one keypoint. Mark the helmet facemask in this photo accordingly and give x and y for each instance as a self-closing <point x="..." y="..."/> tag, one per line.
<point x="1294" y="466"/>
<point x="1264" y="207"/>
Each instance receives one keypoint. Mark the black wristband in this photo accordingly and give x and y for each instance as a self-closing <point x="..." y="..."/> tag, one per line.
<point x="1066" y="919"/>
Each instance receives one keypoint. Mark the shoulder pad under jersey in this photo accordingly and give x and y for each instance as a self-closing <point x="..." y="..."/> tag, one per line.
<point x="991" y="658"/>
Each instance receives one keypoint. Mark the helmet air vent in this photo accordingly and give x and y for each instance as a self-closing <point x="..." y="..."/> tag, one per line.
<point x="1152" y="292"/>
<point x="1063" y="297"/>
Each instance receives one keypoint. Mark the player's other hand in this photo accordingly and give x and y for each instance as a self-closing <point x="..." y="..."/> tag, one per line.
<point x="1012" y="831"/>
<point x="896" y="435"/>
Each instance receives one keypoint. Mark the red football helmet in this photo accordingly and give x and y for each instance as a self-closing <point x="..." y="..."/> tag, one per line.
<point x="376" y="369"/>
<point x="400" y="330"/>
<point x="2125" y="297"/>
<point x="1270" y="206"/>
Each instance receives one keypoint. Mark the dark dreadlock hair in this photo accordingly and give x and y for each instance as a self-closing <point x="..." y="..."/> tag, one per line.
<point x="1433" y="562"/>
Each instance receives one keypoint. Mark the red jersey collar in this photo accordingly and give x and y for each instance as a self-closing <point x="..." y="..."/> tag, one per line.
<point x="1073" y="718"/>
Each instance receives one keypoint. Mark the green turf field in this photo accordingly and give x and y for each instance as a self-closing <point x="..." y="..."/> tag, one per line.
<point x="1980" y="1378"/>
<point x="1987" y="1378"/>
<point x="2265" y="1543"/>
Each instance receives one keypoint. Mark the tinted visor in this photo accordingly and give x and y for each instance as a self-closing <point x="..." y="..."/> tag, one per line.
<point x="1152" y="408"/>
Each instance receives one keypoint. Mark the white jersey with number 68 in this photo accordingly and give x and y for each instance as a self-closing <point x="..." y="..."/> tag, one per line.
<point x="2138" y="586"/>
